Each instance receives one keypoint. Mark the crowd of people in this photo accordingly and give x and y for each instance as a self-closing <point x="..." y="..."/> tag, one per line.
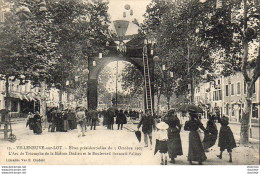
<point x="167" y="127"/>
<point x="65" y="120"/>
<point x="168" y="139"/>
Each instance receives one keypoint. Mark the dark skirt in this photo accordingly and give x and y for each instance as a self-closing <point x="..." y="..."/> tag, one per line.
<point x="175" y="146"/>
<point x="196" y="151"/>
<point x="37" y="128"/>
<point x="209" y="140"/>
<point x="226" y="138"/>
<point x="162" y="146"/>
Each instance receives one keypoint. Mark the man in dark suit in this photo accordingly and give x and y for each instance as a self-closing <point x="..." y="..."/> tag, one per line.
<point x="94" y="117"/>
<point x="148" y="124"/>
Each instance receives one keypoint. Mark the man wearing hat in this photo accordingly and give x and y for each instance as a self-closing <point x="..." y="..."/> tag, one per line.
<point x="148" y="124"/>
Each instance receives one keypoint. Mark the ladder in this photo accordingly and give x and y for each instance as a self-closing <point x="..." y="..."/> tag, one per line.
<point x="147" y="82"/>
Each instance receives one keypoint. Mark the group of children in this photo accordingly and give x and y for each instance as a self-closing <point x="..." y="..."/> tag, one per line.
<point x="226" y="140"/>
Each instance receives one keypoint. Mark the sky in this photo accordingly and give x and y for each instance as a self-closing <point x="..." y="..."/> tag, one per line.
<point x="116" y="9"/>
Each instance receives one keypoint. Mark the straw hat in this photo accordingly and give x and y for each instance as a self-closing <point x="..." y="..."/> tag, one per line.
<point x="162" y="125"/>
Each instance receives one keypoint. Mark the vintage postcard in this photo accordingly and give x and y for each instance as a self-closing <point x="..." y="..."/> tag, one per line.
<point x="129" y="82"/>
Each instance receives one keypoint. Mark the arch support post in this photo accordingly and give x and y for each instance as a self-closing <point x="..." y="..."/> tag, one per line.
<point x="92" y="94"/>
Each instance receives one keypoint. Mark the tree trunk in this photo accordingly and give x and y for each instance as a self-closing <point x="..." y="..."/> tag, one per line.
<point x="43" y="104"/>
<point x="244" y="133"/>
<point x="7" y="94"/>
<point x="192" y="88"/>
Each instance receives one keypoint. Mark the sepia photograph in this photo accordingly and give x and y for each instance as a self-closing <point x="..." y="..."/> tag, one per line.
<point x="129" y="82"/>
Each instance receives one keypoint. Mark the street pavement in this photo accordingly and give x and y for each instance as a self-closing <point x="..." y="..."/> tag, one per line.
<point x="112" y="147"/>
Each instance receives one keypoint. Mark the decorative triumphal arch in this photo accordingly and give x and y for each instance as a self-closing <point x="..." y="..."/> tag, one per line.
<point x="133" y="53"/>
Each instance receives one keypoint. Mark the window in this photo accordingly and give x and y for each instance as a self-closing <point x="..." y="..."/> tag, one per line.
<point x="220" y="94"/>
<point x="227" y="90"/>
<point x="218" y="82"/>
<point x="232" y="89"/>
<point x="14" y="106"/>
<point x="227" y="109"/>
<point x="254" y="111"/>
<point x="216" y="93"/>
<point x="238" y="88"/>
<point x="232" y="110"/>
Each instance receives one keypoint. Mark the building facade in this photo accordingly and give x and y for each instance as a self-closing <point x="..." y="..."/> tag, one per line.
<point x="227" y="95"/>
<point x="29" y="98"/>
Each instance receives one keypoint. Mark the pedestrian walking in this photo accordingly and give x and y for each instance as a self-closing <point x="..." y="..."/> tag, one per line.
<point x="211" y="134"/>
<point x="81" y="119"/>
<point x="196" y="151"/>
<point x="174" y="139"/>
<point x="72" y="120"/>
<point x="148" y="124"/>
<point x="120" y="120"/>
<point x="54" y="121"/>
<point x="110" y="118"/>
<point x="65" y="121"/>
<point x="59" y="121"/>
<point x="93" y="114"/>
<point x="36" y="123"/>
<point x="162" y="137"/>
<point x="29" y="120"/>
<point x="226" y="138"/>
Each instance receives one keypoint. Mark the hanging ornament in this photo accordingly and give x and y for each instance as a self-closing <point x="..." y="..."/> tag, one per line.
<point x="42" y="5"/>
<point x="163" y="67"/>
<point x="76" y="78"/>
<point x="94" y="63"/>
<point x="100" y="55"/>
<point x="131" y="12"/>
<point x="171" y="74"/>
<point x="127" y="7"/>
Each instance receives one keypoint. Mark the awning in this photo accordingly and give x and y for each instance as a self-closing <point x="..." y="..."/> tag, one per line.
<point x="26" y="98"/>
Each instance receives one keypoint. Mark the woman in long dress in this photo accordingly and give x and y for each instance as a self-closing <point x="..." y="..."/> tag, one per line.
<point x="174" y="139"/>
<point x="211" y="135"/>
<point x="196" y="151"/>
<point x="36" y="123"/>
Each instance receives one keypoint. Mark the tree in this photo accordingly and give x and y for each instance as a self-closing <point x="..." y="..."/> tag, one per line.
<point x="25" y="52"/>
<point x="82" y="31"/>
<point x="245" y="27"/>
<point x="178" y="44"/>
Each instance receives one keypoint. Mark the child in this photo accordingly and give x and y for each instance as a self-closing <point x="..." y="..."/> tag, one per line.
<point x="162" y="137"/>
<point x="226" y="138"/>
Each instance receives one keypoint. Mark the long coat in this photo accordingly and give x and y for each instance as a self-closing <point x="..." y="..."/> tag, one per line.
<point x="226" y="138"/>
<point x="121" y="118"/>
<point x="196" y="151"/>
<point x="36" y="124"/>
<point x="174" y="139"/>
